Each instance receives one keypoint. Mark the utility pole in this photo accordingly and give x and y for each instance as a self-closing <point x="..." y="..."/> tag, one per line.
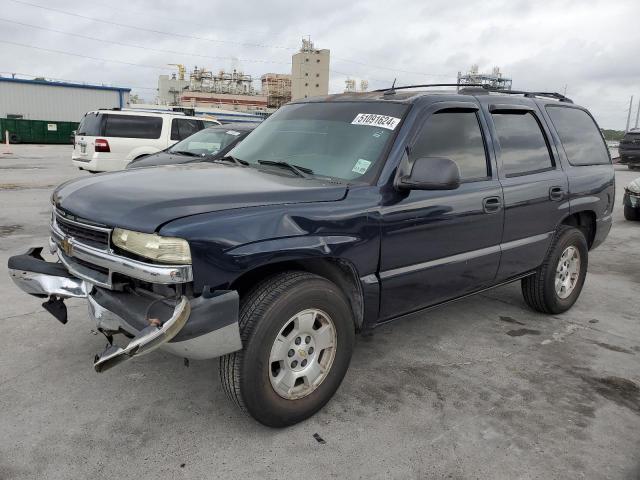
<point x="629" y="114"/>
<point x="637" y="115"/>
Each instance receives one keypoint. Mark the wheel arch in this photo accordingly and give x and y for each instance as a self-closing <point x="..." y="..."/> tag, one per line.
<point x="585" y="221"/>
<point x="337" y="270"/>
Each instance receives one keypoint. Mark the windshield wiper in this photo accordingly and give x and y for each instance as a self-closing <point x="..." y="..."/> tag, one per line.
<point x="229" y="158"/>
<point x="184" y="152"/>
<point x="300" y="171"/>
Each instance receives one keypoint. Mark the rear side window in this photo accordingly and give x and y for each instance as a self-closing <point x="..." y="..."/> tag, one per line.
<point x="523" y="146"/>
<point x="579" y="135"/>
<point x="456" y="136"/>
<point x="182" y="128"/>
<point x="132" y="126"/>
<point x="90" y="125"/>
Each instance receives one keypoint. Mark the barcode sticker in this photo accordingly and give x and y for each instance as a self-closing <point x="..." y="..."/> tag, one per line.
<point x="374" y="120"/>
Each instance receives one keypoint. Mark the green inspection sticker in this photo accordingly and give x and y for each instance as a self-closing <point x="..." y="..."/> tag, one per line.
<point x="361" y="166"/>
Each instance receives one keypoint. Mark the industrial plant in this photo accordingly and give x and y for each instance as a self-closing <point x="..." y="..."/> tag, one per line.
<point x="236" y="91"/>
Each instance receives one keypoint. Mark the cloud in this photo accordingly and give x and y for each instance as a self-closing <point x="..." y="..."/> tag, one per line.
<point x="589" y="46"/>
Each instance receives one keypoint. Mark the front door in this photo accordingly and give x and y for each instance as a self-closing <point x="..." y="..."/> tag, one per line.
<point x="438" y="245"/>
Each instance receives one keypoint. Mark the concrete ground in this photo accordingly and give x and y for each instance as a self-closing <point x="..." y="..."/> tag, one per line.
<point x="483" y="388"/>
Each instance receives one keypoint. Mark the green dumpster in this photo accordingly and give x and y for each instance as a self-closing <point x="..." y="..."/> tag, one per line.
<point x="37" y="131"/>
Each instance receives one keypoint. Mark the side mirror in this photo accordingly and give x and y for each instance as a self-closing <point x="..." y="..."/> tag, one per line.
<point x="431" y="173"/>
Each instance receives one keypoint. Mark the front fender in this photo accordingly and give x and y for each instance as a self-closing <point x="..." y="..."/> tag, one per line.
<point x="227" y="244"/>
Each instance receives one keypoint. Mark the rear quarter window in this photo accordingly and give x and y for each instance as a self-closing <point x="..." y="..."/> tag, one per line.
<point x="91" y="125"/>
<point x="132" y="126"/>
<point x="580" y="136"/>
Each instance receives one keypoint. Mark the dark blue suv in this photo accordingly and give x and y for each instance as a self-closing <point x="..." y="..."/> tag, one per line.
<point x="333" y="216"/>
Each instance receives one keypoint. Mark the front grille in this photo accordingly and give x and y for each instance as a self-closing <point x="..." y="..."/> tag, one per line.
<point x="92" y="266"/>
<point x="84" y="234"/>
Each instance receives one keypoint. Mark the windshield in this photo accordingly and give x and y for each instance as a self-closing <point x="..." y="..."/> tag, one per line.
<point x="343" y="140"/>
<point x="206" y="142"/>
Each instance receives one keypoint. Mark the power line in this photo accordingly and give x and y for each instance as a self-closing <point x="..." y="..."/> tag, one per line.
<point x="195" y="37"/>
<point x="154" y="67"/>
<point x="391" y="69"/>
<point x="150" y="30"/>
<point x="173" y="52"/>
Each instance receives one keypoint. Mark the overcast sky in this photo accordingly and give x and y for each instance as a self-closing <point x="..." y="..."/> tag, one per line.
<point x="589" y="47"/>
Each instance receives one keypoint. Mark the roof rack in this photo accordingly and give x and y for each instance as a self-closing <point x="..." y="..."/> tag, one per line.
<point x="393" y="88"/>
<point x="143" y="110"/>
<point x="556" y="95"/>
<point x="487" y="88"/>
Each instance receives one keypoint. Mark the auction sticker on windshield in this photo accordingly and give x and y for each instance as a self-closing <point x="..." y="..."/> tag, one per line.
<point x="374" y="120"/>
<point x="361" y="166"/>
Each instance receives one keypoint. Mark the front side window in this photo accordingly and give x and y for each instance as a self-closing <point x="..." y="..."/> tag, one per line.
<point x="457" y="136"/>
<point x="132" y="126"/>
<point x="579" y="135"/>
<point x="343" y="140"/>
<point x="523" y="146"/>
<point x="182" y="128"/>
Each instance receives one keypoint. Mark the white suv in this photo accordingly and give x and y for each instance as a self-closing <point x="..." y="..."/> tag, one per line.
<point x="109" y="139"/>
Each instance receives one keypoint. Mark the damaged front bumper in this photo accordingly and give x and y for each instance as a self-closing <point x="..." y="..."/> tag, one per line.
<point x="196" y="328"/>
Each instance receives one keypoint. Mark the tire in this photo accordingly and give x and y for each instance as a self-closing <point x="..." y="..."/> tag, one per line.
<point x="249" y="376"/>
<point x="631" y="213"/>
<point x="539" y="290"/>
<point x="14" y="138"/>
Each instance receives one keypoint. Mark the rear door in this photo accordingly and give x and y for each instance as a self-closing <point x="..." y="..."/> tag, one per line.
<point x="535" y="186"/>
<point x="437" y="245"/>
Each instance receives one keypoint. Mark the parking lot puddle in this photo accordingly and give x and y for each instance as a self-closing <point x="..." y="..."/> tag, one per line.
<point x="522" y="331"/>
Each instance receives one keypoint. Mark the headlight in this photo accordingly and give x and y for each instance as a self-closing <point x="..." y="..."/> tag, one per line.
<point x="155" y="247"/>
<point x="634" y="187"/>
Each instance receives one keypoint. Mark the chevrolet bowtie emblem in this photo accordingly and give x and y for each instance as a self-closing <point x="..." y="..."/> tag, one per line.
<point x="66" y="247"/>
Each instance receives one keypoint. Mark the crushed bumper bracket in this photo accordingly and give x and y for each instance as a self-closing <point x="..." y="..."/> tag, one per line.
<point x="147" y="340"/>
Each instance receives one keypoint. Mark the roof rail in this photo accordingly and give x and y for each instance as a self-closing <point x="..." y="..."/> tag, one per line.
<point x="488" y="88"/>
<point x="392" y="90"/>
<point x="556" y="95"/>
<point x="143" y="110"/>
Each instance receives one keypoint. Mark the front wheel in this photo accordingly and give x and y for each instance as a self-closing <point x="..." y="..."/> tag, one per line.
<point x="297" y="332"/>
<point x="557" y="283"/>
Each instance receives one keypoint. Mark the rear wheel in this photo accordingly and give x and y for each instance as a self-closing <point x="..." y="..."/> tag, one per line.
<point x="297" y="332"/>
<point x="631" y="213"/>
<point x="557" y="283"/>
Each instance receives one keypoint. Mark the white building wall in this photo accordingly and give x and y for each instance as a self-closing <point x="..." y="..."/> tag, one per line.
<point x="57" y="103"/>
<point x="309" y="74"/>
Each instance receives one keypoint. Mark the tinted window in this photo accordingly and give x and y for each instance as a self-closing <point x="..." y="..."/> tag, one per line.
<point x="579" y="135"/>
<point x="457" y="136"/>
<point x="523" y="145"/>
<point x="182" y="128"/>
<point x="132" y="126"/>
<point x="90" y="125"/>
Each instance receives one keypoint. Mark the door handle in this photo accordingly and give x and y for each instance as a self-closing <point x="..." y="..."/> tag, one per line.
<point x="491" y="204"/>
<point x="556" y="193"/>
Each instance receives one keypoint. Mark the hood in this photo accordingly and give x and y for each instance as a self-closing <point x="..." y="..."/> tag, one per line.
<point x="162" y="158"/>
<point x="143" y="199"/>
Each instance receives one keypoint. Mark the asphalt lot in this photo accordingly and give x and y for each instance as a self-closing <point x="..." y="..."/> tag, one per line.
<point x="483" y="388"/>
